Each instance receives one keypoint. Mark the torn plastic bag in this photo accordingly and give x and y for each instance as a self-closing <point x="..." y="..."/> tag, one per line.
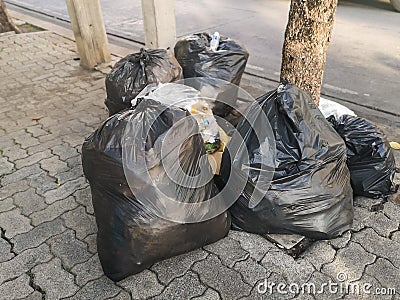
<point x="227" y="63"/>
<point x="310" y="192"/>
<point x="331" y="108"/>
<point x="134" y="72"/>
<point x="370" y="158"/>
<point x="127" y="202"/>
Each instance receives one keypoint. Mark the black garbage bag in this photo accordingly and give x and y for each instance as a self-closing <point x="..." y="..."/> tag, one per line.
<point x="131" y="236"/>
<point x="310" y="192"/>
<point x="134" y="72"/>
<point x="369" y="156"/>
<point x="226" y="64"/>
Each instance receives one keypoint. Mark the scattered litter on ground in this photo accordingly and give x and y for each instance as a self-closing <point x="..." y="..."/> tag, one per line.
<point x="395" y="145"/>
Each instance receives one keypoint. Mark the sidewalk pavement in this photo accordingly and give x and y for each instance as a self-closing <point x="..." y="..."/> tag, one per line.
<point x="48" y="230"/>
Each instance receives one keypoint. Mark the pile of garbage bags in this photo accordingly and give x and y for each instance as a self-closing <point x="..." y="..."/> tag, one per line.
<point x="369" y="156"/>
<point x="310" y="192"/>
<point x="299" y="168"/>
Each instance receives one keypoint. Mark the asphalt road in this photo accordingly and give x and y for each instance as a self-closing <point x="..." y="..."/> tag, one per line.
<point x="363" y="63"/>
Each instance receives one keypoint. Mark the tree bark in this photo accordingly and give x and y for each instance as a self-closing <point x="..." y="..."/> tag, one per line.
<point x="306" y="41"/>
<point x="6" y="23"/>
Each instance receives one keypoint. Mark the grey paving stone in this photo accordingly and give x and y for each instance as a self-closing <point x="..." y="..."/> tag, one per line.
<point x="13" y="188"/>
<point x="16" y="289"/>
<point x="55" y="132"/>
<point x="378" y="245"/>
<point x="185" y="287"/>
<point x="392" y="211"/>
<point x="53" y="165"/>
<point x="91" y="241"/>
<point x="6" y="204"/>
<point x="36" y="131"/>
<point x="142" y="285"/>
<point x="23" y="262"/>
<point x="42" y="183"/>
<point x="84" y="197"/>
<point x="255" y="245"/>
<point x="226" y="281"/>
<point x="88" y="270"/>
<point x="367" y="203"/>
<point x="71" y="250"/>
<point x="71" y="174"/>
<point x="295" y="271"/>
<point x="5" y="166"/>
<point x="73" y="139"/>
<point x="341" y="241"/>
<point x="78" y="220"/>
<point x="43" y="146"/>
<point x="305" y="297"/>
<point x="381" y="224"/>
<point x="53" y="211"/>
<point x="251" y="271"/>
<point x="176" y="266"/>
<point x="209" y="294"/>
<point x="384" y="271"/>
<point x="6" y="141"/>
<point x="74" y="161"/>
<point x="64" y="190"/>
<point x="319" y="253"/>
<point x="228" y="250"/>
<point x="5" y="250"/>
<point x="54" y="280"/>
<point x="349" y="263"/>
<point x="26" y="140"/>
<point x="361" y="216"/>
<point x="122" y="296"/>
<point x="34" y="296"/>
<point x="32" y="159"/>
<point x="102" y="288"/>
<point x="14" y="222"/>
<point x="64" y="151"/>
<point x="15" y="152"/>
<point x="396" y="236"/>
<point x="20" y="174"/>
<point x="29" y="201"/>
<point x="37" y="235"/>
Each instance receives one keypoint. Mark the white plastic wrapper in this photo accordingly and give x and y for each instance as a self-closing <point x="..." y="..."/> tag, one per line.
<point x="186" y="97"/>
<point x="331" y="108"/>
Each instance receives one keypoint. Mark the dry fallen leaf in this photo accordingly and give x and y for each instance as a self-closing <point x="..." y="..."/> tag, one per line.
<point x="395" y="145"/>
<point x="37" y="118"/>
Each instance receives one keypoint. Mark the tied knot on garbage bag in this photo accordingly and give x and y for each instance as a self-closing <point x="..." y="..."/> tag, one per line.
<point x="310" y="193"/>
<point x="134" y="72"/>
<point x="226" y="62"/>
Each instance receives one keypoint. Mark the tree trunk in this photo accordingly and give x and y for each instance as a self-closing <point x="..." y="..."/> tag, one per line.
<point x="306" y="41"/>
<point x="6" y="23"/>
